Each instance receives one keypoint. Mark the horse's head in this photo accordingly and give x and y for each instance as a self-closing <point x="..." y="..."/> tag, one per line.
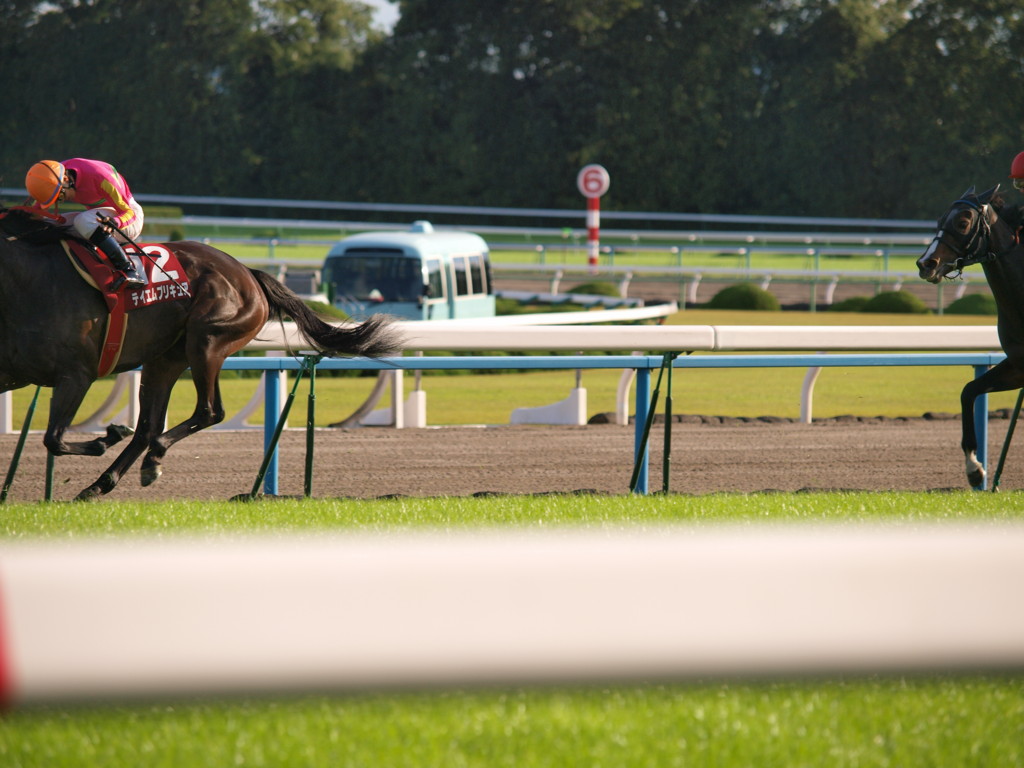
<point x="964" y="237"/>
<point x="30" y="225"/>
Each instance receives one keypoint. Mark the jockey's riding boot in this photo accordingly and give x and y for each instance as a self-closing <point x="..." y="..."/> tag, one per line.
<point x="113" y="251"/>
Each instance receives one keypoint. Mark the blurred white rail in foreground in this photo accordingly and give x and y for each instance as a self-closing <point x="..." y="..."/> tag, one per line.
<point x="141" y="619"/>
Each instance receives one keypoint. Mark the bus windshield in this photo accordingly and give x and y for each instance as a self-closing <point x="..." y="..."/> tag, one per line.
<point x="375" y="275"/>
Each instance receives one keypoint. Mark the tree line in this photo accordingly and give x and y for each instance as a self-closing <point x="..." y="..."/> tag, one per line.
<point x="862" y="108"/>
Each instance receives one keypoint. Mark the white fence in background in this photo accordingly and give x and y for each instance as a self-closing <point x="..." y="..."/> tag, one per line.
<point x="476" y="336"/>
<point x="514" y="334"/>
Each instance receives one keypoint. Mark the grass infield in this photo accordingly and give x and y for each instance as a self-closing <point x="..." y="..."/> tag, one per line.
<point x="864" y="722"/>
<point x="934" y="721"/>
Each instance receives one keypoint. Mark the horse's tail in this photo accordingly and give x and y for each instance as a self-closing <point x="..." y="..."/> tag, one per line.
<point x="376" y="337"/>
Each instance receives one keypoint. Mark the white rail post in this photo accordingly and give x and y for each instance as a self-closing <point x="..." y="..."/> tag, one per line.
<point x="691" y="294"/>
<point x="807" y="395"/>
<point x="6" y="406"/>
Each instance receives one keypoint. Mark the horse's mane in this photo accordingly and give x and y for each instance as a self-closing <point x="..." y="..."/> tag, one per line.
<point x="19" y="223"/>
<point x="1013" y="215"/>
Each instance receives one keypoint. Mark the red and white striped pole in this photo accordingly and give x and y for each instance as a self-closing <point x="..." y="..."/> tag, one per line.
<point x="592" y="182"/>
<point x="593" y="232"/>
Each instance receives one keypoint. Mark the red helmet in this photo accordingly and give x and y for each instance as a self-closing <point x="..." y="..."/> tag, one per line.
<point x="1017" y="167"/>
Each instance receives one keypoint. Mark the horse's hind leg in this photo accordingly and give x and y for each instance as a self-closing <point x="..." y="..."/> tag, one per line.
<point x="67" y="397"/>
<point x="218" y="326"/>
<point x="158" y="378"/>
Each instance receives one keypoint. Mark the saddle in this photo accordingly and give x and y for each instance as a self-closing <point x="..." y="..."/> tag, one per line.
<point x="167" y="278"/>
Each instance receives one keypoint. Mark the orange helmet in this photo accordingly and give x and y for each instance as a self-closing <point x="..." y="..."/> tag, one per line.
<point x="44" y="181"/>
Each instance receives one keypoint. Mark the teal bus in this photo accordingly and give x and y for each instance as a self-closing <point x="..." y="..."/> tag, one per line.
<point x="418" y="274"/>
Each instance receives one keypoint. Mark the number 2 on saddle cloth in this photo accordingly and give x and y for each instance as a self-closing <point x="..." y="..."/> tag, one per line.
<point x="167" y="282"/>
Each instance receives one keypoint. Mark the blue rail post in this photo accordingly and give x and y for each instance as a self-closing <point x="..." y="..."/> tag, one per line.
<point x="271" y="415"/>
<point x="640" y="452"/>
<point x="981" y="362"/>
<point x="981" y="428"/>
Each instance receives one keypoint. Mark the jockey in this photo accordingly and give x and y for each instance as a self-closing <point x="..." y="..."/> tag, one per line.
<point x="1017" y="172"/>
<point x="104" y="193"/>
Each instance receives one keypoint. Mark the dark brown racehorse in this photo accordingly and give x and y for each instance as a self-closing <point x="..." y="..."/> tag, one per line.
<point x="52" y="326"/>
<point x="980" y="229"/>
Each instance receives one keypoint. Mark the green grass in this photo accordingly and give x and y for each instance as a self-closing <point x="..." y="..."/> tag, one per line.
<point x="73" y="520"/>
<point x="863" y="722"/>
<point x="564" y="251"/>
<point x="262" y="251"/>
<point x="936" y="723"/>
<point x="489" y="399"/>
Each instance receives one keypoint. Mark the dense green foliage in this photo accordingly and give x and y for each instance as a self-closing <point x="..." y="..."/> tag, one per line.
<point x="809" y="107"/>
<point x="852" y="304"/>
<point x="744" y="296"/>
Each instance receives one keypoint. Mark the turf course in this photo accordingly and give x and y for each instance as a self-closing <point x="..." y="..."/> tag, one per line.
<point x="936" y="721"/>
<point x="299" y="246"/>
<point x="862" y="722"/>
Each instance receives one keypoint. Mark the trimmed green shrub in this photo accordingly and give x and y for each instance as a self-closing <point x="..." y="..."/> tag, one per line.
<point x="974" y="304"/>
<point x="852" y="304"/>
<point x="744" y="296"/>
<point x="596" y="288"/>
<point x="513" y="307"/>
<point x="510" y="307"/>
<point x="896" y="302"/>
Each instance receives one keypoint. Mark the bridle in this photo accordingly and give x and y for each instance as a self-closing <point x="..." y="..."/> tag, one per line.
<point x="977" y="249"/>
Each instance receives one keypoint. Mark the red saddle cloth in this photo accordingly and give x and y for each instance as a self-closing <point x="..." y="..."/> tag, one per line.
<point x="167" y="282"/>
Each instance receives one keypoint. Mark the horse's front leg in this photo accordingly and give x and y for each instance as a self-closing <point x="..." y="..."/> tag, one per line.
<point x="67" y="397"/>
<point x="154" y="394"/>
<point x="969" y="439"/>
<point x="106" y="482"/>
<point x="1000" y="378"/>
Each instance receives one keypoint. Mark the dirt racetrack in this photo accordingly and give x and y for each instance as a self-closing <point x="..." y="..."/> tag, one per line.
<point x="743" y="456"/>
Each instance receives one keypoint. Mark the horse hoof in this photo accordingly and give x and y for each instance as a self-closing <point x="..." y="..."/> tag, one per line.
<point x="976" y="478"/>
<point x="151" y="474"/>
<point x="91" y="493"/>
<point x="118" y="432"/>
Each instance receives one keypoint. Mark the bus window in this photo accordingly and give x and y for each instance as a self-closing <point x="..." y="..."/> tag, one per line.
<point x="435" y="279"/>
<point x="376" y="276"/>
<point x="476" y="272"/>
<point x="462" y="286"/>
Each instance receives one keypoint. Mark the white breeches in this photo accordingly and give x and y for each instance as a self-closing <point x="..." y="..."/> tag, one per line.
<point x="86" y="222"/>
